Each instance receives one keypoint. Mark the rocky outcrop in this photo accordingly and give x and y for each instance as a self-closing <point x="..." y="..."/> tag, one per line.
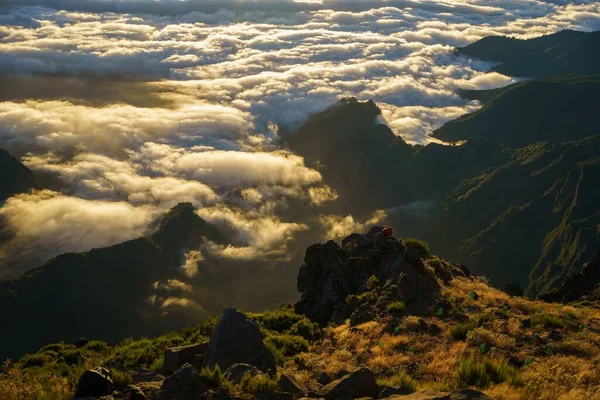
<point x="237" y="339"/>
<point x="175" y="357"/>
<point x="332" y="274"/>
<point x="95" y="383"/>
<point x="583" y="285"/>
<point x="360" y="383"/>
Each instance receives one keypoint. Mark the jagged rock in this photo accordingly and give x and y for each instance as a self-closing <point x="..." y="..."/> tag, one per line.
<point x="95" y="382"/>
<point x="331" y="273"/>
<point x="288" y="384"/>
<point x="388" y="391"/>
<point x="360" y="383"/>
<point x="175" y="357"/>
<point x="513" y="289"/>
<point x="185" y="383"/>
<point x="237" y="339"/>
<point x="80" y="342"/>
<point x="236" y="372"/>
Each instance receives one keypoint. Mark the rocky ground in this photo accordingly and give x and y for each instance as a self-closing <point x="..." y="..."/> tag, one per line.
<point x="378" y="317"/>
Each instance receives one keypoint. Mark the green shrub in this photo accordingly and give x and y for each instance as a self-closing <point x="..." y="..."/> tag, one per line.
<point x="96" y="346"/>
<point x="421" y="246"/>
<point x="121" y="378"/>
<point x="280" y="320"/>
<point x="372" y="283"/>
<point x="367" y="297"/>
<point x="36" y="360"/>
<point x="399" y="379"/>
<point x="307" y="329"/>
<point x="70" y="357"/>
<point x="289" y="345"/>
<point x="279" y="358"/>
<point x="214" y="377"/>
<point x="460" y="331"/>
<point x="258" y="383"/>
<point x="397" y="307"/>
<point x="481" y="373"/>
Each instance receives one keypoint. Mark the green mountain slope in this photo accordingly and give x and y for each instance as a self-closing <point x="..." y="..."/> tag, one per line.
<point x="565" y="52"/>
<point x="562" y="108"/>
<point x="535" y="219"/>
<point x="107" y="293"/>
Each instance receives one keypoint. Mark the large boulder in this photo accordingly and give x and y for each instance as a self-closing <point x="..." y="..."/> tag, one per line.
<point x="95" y="383"/>
<point x="331" y="273"/>
<point x="237" y="339"/>
<point x="360" y="383"/>
<point x="175" y="357"/>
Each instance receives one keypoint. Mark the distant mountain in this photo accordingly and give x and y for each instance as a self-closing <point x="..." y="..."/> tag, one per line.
<point x="561" y="108"/>
<point x="532" y="220"/>
<point x="565" y="52"/>
<point x="15" y="177"/>
<point x="356" y="153"/>
<point x="582" y="286"/>
<point x="369" y="166"/>
<point x="107" y="293"/>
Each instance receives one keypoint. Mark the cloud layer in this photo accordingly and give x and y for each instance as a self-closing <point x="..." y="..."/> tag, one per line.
<point x="159" y="102"/>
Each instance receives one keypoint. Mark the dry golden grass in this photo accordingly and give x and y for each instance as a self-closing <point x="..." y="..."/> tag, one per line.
<point x="567" y="367"/>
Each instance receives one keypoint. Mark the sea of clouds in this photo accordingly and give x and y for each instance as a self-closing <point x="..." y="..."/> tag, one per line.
<point x="125" y="108"/>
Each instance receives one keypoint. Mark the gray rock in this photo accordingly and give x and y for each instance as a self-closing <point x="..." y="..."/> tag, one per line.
<point x="388" y="391"/>
<point x="175" y="357"/>
<point x="185" y="383"/>
<point x="288" y="384"/>
<point x="95" y="382"/>
<point x="236" y="372"/>
<point x="237" y="339"/>
<point x="360" y="383"/>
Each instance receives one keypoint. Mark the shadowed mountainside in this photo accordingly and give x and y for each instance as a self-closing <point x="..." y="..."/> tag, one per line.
<point x="109" y="293"/>
<point x="562" y="108"/>
<point x="565" y="52"/>
<point x="377" y="317"/>
<point x="15" y="177"/>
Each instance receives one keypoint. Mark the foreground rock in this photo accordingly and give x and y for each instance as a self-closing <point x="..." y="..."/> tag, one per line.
<point x="237" y="339"/>
<point x="175" y="357"/>
<point x="185" y="383"/>
<point x="331" y="274"/>
<point x="360" y="383"/>
<point x="95" y="383"/>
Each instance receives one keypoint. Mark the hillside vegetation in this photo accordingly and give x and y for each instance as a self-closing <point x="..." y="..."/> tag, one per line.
<point x="471" y="335"/>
